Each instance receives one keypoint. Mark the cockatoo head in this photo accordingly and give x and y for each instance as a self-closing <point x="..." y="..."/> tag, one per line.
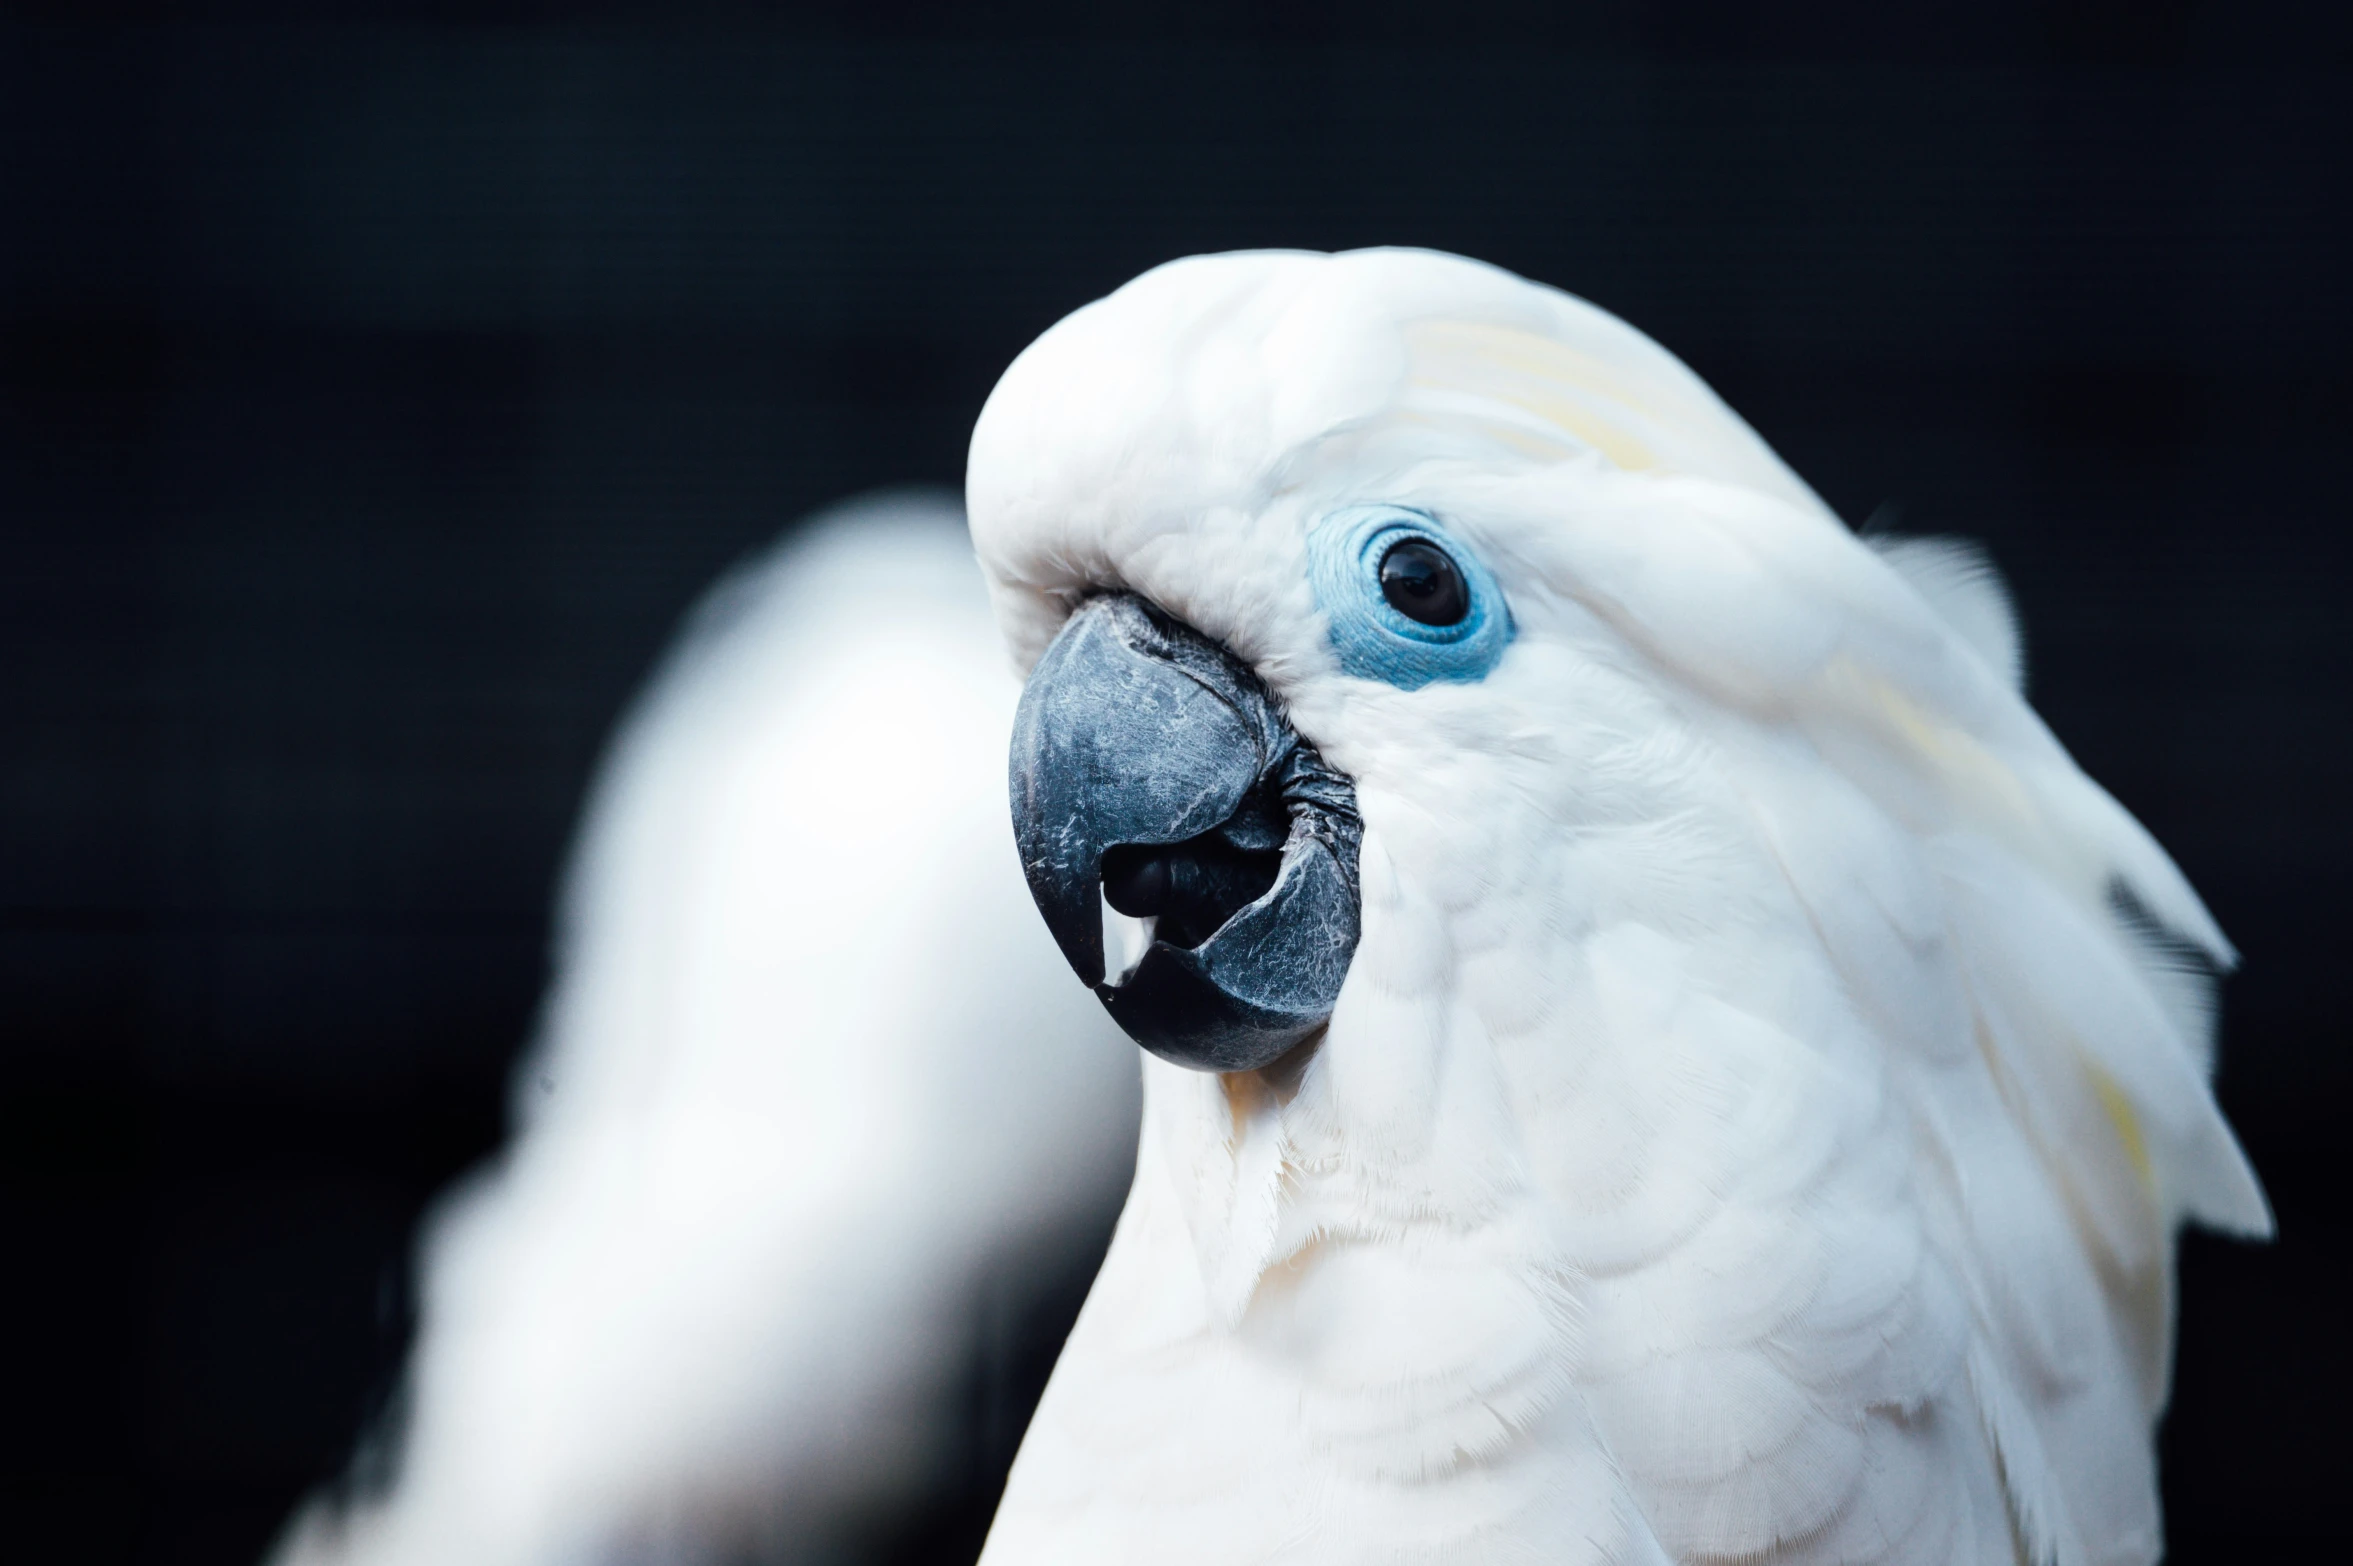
<point x="1292" y="540"/>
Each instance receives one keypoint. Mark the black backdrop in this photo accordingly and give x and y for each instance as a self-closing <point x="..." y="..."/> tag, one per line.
<point x="377" y="393"/>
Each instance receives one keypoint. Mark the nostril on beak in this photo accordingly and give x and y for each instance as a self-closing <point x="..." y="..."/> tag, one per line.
<point x="1135" y="881"/>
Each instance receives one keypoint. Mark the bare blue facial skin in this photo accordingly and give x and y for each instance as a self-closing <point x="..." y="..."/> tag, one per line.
<point x="1374" y="639"/>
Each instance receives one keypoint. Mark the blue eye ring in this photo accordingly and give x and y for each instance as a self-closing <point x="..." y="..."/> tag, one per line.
<point x="1374" y="640"/>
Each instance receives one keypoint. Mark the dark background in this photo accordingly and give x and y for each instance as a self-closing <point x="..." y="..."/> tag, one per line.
<point x="377" y="393"/>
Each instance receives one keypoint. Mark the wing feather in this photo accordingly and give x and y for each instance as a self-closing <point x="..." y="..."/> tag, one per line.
<point x="810" y="1074"/>
<point x="2035" y="964"/>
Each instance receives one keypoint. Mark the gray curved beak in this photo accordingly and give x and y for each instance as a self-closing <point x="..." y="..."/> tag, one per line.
<point x="1151" y="769"/>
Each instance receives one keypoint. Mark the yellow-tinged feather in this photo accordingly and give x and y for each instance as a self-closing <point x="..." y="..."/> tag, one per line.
<point x="1944" y="748"/>
<point x="2127" y="1121"/>
<point x="1574" y="392"/>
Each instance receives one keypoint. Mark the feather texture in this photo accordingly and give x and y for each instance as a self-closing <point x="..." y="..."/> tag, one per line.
<point x="1960" y="582"/>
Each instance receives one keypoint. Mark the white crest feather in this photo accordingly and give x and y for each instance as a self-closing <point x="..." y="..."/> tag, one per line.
<point x="1964" y="586"/>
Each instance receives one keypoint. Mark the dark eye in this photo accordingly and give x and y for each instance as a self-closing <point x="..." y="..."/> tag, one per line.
<point x="1421" y="583"/>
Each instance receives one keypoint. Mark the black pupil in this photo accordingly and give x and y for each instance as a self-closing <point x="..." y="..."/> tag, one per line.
<point x="1421" y="583"/>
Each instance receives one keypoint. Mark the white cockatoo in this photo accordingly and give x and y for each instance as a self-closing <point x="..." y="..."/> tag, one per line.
<point x="1752" y="1122"/>
<point x="1652" y="1052"/>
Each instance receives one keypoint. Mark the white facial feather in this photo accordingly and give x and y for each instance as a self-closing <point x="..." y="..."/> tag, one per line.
<point x="1749" y="1129"/>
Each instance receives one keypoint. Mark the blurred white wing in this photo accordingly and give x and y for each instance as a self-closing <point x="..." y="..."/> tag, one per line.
<point x="811" y="1069"/>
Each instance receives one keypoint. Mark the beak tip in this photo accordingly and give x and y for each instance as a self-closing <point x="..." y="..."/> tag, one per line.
<point x="1175" y="1009"/>
<point x="1068" y="907"/>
